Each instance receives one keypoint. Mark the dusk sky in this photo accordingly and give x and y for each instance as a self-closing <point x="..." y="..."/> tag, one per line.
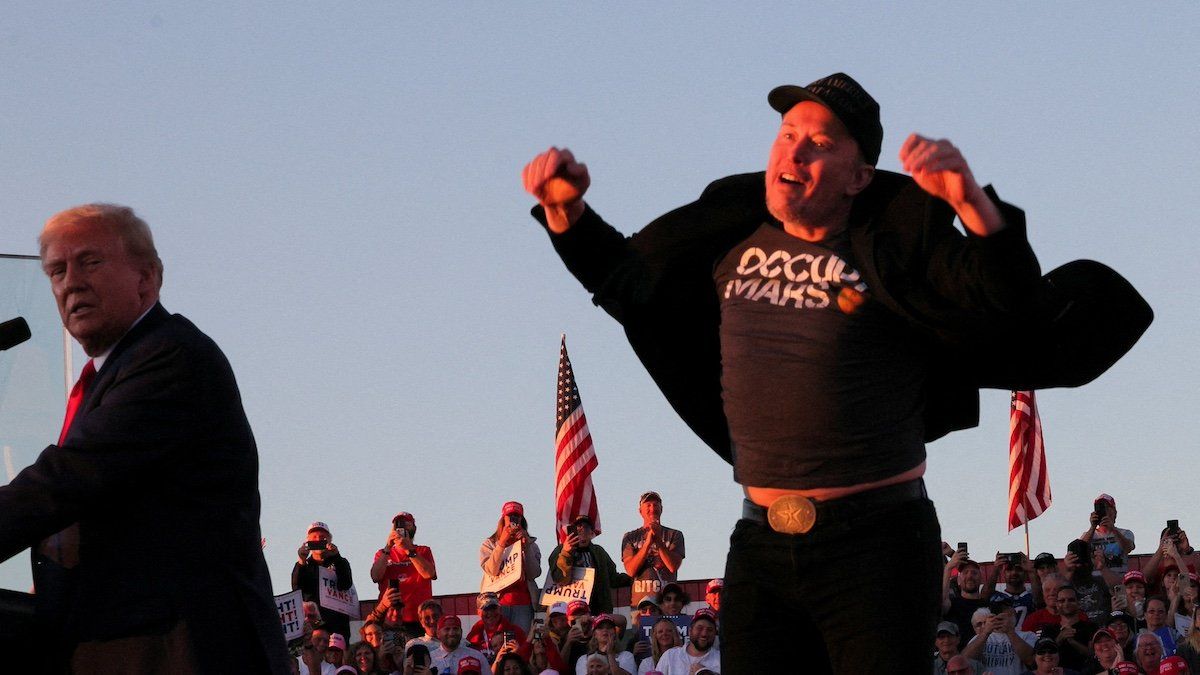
<point x="335" y="192"/>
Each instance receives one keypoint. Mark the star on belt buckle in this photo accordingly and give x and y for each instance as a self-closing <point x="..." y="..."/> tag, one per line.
<point x="792" y="514"/>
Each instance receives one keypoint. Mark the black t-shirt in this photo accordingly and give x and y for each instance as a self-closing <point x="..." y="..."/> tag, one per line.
<point x="822" y="385"/>
<point x="960" y="613"/>
<point x="1068" y="656"/>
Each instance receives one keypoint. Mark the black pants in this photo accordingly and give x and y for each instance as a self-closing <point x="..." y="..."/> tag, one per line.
<point x="858" y="596"/>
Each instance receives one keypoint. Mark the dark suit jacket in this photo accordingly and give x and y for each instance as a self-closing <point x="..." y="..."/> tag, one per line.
<point x="160" y="470"/>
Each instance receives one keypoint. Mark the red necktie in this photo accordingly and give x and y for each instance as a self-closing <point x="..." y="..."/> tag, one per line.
<point x="63" y="547"/>
<point x="81" y="385"/>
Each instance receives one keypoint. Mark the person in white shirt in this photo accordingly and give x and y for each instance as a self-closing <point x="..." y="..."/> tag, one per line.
<point x="700" y="653"/>
<point x="429" y="614"/>
<point x="312" y="659"/>
<point x="445" y="658"/>
<point x="1002" y="648"/>
<point x="604" y="631"/>
<point x="663" y="638"/>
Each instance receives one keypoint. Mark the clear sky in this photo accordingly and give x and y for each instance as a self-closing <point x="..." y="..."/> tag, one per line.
<point x="335" y="191"/>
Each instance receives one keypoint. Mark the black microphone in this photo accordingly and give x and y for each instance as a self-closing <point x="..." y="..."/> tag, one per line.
<point x="13" y="332"/>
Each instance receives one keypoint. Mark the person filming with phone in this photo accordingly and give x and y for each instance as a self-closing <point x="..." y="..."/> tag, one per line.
<point x="317" y="551"/>
<point x="407" y="568"/>
<point x="1115" y="543"/>
<point x="516" y="599"/>
<point x="577" y="550"/>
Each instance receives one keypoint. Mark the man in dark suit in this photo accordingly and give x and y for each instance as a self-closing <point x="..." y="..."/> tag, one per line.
<point x="155" y="477"/>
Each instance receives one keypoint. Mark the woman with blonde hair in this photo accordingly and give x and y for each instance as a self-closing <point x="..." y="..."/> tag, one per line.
<point x="1189" y="647"/>
<point x="663" y="636"/>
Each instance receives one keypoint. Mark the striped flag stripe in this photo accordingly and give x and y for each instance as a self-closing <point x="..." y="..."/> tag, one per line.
<point x="1028" y="481"/>
<point x="574" y="454"/>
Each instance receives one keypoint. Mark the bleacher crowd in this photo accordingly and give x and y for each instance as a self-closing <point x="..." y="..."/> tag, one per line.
<point x="407" y="631"/>
<point x="1089" y="612"/>
<point x="1097" y="609"/>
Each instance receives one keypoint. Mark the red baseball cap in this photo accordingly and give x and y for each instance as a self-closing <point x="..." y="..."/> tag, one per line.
<point x="578" y="607"/>
<point x="449" y="620"/>
<point x="1134" y="575"/>
<point x="510" y="508"/>
<point x="468" y="664"/>
<point x="404" y="517"/>
<point x="705" y="613"/>
<point x="1172" y="664"/>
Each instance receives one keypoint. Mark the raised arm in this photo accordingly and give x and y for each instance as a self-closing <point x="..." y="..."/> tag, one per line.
<point x="942" y="171"/>
<point x="558" y="183"/>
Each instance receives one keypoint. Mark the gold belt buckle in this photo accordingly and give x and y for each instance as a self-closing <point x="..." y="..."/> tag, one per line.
<point x="792" y="514"/>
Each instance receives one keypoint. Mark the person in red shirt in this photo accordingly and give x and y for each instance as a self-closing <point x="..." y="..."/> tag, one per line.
<point x="492" y="631"/>
<point x="403" y="565"/>
<point x="1048" y="615"/>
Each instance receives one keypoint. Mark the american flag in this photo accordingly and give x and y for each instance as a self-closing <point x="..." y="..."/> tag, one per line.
<point x="1028" y="482"/>
<point x="574" y="456"/>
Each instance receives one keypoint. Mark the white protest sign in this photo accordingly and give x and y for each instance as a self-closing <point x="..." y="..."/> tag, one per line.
<point x="291" y="614"/>
<point x="510" y="571"/>
<point x="579" y="587"/>
<point x="345" y="601"/>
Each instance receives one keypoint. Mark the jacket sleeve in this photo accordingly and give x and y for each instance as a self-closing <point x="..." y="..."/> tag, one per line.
<point x="617" y="579"/>
<point x="996" y="274"/>
<point x="591" y="249"/>
<point x="643" y="272"/>
<point x="533" y="562"/>
<point x="560" y="565"/>
<point x="486" y="549"/>
<point x="161" y="398"/>
<point x="341" y="566"/>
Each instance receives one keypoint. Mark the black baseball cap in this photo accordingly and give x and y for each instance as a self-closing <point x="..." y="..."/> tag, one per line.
<point x="1045" y="645"/>
<point x="847" y="100"/>
<point x="1045" y="560"/>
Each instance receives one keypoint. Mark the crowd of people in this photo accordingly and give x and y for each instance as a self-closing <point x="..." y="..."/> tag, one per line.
<point x="1085" y="613"/>
<point x="409" y="632"/>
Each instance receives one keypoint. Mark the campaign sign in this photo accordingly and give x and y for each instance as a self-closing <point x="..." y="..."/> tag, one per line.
<point x="291" y="614"/>
<point x="682" y="623"/>
<point x="345" y="601"/>
<point x="578" y="588"/>
<point x="510" y="571"/>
